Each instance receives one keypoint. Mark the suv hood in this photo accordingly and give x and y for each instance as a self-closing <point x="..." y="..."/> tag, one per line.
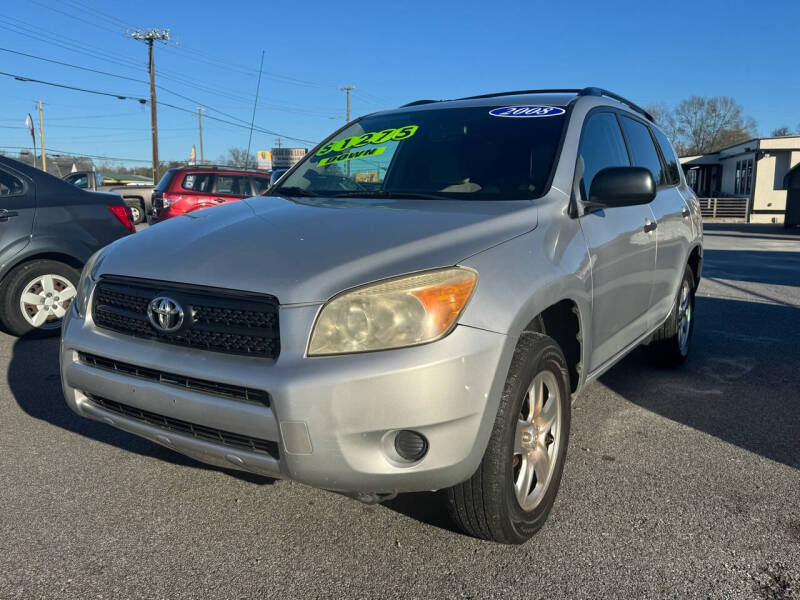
<point x="309" y="249"/>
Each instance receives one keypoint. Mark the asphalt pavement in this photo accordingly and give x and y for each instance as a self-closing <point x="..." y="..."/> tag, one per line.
<point x="678" y="484"/>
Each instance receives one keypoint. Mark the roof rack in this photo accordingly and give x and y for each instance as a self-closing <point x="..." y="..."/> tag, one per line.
<point x="418" y="102"/>
<point x="595" y="91"/>
<point x="523" y="92"/>
<point x="218" y="167"/>
<point x="587" y="91"/>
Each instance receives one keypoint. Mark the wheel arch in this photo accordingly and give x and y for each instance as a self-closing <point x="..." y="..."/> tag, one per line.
<point x="73" y="260"/>
<point x="562" y="321"/>
<point x="695" y="261"/>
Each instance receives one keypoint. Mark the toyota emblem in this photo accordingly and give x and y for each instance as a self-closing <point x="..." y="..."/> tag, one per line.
<point x="165" y="314"/>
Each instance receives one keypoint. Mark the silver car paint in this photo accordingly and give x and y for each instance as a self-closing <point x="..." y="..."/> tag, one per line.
<point x="529" y="256"/>
<point x="306" y="250"/>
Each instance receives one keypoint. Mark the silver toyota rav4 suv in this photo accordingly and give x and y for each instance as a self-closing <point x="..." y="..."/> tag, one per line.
<point x="411" y="307"/>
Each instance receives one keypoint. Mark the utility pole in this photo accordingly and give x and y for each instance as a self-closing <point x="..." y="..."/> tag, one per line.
<point x="41" y="136"/>
<point x="150" y="37"/>
<point x="255" y="104"/>
<point x="200" y="127"/>
<point x="347" y="89"/>
<point x="278" y="142"/>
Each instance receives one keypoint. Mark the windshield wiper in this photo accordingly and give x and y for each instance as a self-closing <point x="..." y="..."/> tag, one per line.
<point x="294" y="191"/>
<point x="387" y="194"/>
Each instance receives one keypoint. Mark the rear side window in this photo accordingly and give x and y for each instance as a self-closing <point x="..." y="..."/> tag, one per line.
<point x="262" y="183"/>
<point x="9" y="185"/>
<point x="602" y="146"/>
<point x="163" y="183"/>
<point x="643" y="151"/>
<point x="233" y="184"/>
<point x="671" y="173"/>
<point x="197" y="182"/>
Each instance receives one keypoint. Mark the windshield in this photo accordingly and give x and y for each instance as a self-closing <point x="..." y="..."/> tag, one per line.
<point x="462" y="153"/>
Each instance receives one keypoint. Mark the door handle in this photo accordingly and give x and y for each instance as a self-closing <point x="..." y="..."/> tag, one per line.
<point x="5" y="214"/>
<point x="218" y="200"/>
<point x="649" y="225"/>
<point x="685" y="212"/>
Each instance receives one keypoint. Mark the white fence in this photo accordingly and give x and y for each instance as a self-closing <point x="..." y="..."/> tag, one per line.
<point x="724" y="208"/>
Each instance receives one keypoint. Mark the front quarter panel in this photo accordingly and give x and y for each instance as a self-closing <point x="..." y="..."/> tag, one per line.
<point x="522" y="277"/>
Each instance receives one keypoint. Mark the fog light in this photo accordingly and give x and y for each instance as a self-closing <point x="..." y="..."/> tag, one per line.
<point x="410" y="445"/>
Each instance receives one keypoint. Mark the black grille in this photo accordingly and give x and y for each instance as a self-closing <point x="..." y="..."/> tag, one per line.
<point x="201" y="432"/>
<point x="216" y="320"/>
<point x="214" y="388"/>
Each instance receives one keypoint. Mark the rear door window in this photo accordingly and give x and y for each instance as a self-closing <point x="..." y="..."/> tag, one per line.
<point x="601" y="147"/>
<point x="643" y="151"/>
<point x="81" y="181"/>
<point x="10" y="185"/>
<point x="234" y="185"/>
<point x="198" y="182"/>
<point x="671" y="173"/>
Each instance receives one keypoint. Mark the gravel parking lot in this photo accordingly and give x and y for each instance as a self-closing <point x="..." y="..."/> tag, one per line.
<point x="678" y="484"/>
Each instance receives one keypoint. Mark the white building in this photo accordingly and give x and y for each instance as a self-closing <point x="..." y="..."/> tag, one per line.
<point x="761" y="172"/>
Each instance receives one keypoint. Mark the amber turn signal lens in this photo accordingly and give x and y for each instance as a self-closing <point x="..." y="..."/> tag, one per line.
<point x="443" y="303"/>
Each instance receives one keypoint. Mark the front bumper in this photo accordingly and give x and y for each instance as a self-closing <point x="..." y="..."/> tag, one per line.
<point x="332" y="418"/>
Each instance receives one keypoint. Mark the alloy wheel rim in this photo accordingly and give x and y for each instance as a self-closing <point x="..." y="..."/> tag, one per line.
<point x="45" y="300"/>
<point x="134" y="212"/>
<point x="684" y="317"/>
<point x="537" y="440"/>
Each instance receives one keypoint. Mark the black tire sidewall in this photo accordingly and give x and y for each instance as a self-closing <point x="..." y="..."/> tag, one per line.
<point x="137" y="205"/>
<point x="688" y="275"/>
<point x="520" y="525"/>
<point x="13" y="287"/>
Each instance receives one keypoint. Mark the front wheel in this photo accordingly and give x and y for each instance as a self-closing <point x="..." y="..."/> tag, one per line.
<point x="509" y="497"/>
<point x="36" y="296"/>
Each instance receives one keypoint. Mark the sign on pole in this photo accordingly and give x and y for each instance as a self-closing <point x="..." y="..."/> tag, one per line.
<point x="264" y="160"/>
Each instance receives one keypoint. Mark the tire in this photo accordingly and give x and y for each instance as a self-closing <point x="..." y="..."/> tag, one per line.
<point x="670" y="344"/>
<point x="486" y="505"/>
<point x="137" y="208"/>
<point x="37" y="278"/>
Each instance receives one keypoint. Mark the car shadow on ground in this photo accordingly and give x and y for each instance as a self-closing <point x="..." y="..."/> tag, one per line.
<point x="34" y="380"/>
<point x="722" y="389"/>
<point x="425" y="507"/>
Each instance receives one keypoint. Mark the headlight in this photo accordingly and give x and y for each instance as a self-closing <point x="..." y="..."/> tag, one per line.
<point x="404" y="311"/>
<point x="86" y="282"/>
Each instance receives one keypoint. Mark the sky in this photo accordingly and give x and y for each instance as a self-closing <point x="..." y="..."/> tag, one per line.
<point x="392" y="52"/>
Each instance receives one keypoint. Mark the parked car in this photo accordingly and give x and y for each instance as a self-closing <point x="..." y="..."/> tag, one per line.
<point x="187" y="189"/>
<point x="48" y="229"/>
<point x="138" y="196"/>
<point x="411" y="308"/>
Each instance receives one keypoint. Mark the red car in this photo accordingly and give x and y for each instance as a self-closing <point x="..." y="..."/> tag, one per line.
<point x="186" y="189"/>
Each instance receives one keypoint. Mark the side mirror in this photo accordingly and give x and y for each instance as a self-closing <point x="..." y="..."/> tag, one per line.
<point x="622" y="186"/>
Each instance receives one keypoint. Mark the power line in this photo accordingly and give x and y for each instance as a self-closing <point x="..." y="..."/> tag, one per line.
<point x="144" y="101"/>
<point x="75" y="118"/>
<point x="273" y="106"/>
<point x="55" y="153"/>
<point x="255" y="105"/>
<point x="72" y="87"/>
<point x="66" y="64"/>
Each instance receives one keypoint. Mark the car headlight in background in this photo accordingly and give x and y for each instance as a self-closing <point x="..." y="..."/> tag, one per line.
<point x="394" y="313"/>
<point x="87" y="281"/>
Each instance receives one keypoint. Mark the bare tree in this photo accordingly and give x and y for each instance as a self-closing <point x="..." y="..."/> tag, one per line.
<point x="699" y="125"/>
<point x="238" y="157"/>
<point x="781" y="131"/>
